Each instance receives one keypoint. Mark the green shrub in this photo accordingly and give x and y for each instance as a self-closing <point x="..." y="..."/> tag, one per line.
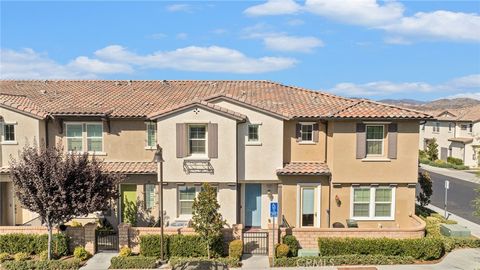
<point x="59" y="244"/>
<point x="422" y="248"/>
<point x="21" y="256"/>
<point x="293" y="245"/>
<point x="422" y="154"/>
<point x="281" y="250"/>
<point x="43" y="256"/>
<point x="235" y="249"/>
<point x="33" y="243"/>
<point x="81" y="253"/>
<point x="125" y="252"/>
<point x="42" y="265"/>
<point x="454" y="161"/>
<point x="351" y="259"/>
<point x="150" y="245"/>
<point x="4" y="257"/>
<point x="133" y="262"/>
<point x="452" y="243"/>
<point x="75" y="223"/>
<point x="203" y="262"/>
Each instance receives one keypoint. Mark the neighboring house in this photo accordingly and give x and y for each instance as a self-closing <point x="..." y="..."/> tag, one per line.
<point x="457" y="133"/>
<point x="324" y="158"/>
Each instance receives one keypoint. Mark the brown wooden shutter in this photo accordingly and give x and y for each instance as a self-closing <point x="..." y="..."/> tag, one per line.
<point x="392" y="140"/>
<point x="315" y="133"/>
<point x="181" y="139"/>
<point x="361" y="141"/>
<point x="212" y="140"/>
<point x="298" y="134"/>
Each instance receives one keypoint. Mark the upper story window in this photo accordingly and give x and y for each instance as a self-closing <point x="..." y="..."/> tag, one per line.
<point x="436" y="127"/>
<point x="306" y="132"/>
<point x="197" y="139"/>
<point x="9" y="132"/>
<point x="151" y="134"/>
<point x="463" y="127"/>
<point x="253" y="133"/>
<point x="84" y="137"/>
<point x="470" y="128"/>
<point x="450" y="127"/>
<point x="375" y="134"/>
<point x="373" y="203"/>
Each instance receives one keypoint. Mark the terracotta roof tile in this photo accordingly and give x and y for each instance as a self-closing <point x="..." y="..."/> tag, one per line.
<point x="304" y="168"/>
<point x="122" y="99"/>
<point x="130" y="167"/>
<point x="461" y="140"/>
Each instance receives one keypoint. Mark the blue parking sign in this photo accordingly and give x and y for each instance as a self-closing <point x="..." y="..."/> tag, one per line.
<point x="273" y="209"/>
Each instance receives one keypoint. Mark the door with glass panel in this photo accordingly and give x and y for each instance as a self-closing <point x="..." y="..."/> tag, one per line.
<point x="308" y="206"/>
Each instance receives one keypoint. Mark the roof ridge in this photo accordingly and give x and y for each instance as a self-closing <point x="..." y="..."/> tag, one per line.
<point x="394" y="106"/>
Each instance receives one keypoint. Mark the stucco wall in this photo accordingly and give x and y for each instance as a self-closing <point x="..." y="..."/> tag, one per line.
<point x="296" y="151"/>
<point x="265" y="203"/>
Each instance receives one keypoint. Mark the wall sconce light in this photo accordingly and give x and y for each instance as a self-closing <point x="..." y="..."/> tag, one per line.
<point x="337" y="200"/>
<point x="270" y="195"/>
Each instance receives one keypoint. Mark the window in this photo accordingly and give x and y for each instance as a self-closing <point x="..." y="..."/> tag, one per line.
<point x="253" y="133"/>
<point x="470" y="128"/>
<point x="449" y="127"/>
<point x="185" y="199"/>
<point x="306" y="132"/>
<point x="149" y="196"/>
<point x="81" y="136"/>
<point x="373" y="203"/>
<point x="8" y="132"/>
<point x="308" y="205"/>
<point x="463" y="127"/>
<point x="151" y="134"/>
<point x="375" y="140"/>
<point x="197" y="139"/>
<point x="74" y="137"/>
<point x="436" y="127"/>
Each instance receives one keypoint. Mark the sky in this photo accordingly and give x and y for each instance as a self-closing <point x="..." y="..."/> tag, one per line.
<point x="422" y="50"/>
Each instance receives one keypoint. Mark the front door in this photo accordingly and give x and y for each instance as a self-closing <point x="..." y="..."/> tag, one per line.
<point x="129" y="198"/>
<point x="253" y="205"/>
<point x="308" y="206"/>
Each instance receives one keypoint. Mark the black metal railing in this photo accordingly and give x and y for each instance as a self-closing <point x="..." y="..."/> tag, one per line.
<point x="106" y="240"/>
<point x="255" y="242"/>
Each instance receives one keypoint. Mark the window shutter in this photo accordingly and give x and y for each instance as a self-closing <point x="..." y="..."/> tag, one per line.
<point x="315" y="133"/>
<point x="212" y="140"/>
<point x="298" y="134"/>
<point x="181" y="139"/>
<point x="361" y="141"/>
<point x="392" y="140"/>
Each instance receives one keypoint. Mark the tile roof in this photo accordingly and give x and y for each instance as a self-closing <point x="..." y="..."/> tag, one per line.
<point x="304" y="168"/>
<point x="130" y="167"/>
<point x="461" y="140"/>
<point x="469" y="114"/>
<point x="128" y="99"/>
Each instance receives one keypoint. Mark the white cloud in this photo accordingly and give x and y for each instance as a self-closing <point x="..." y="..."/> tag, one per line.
<point x="383" y="88"/>
<point x="274" y="7"/>
<point x="98" y="67"/>
<point x="292" y="43"/>
<point x="182" y="36"/>
<point x="397" y="40"/>
<point x="193" y="58"/>
<point x="179" y="8"/>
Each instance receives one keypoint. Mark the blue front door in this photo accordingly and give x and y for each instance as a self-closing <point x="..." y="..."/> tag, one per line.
<point x="253" y="205"/>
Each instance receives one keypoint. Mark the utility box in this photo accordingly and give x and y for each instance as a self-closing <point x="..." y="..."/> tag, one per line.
<point x="454" y="230"/>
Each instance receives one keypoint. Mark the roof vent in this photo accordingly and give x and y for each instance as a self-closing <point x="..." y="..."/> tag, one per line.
<point x="165" y="82"/>
<point x="43" y="91"/>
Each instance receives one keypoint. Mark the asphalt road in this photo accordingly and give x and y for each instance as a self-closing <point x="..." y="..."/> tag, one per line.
<point x="460" y="196"/>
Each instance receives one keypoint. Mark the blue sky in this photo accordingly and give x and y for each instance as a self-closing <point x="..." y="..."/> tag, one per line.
<point x="416" y="49"/>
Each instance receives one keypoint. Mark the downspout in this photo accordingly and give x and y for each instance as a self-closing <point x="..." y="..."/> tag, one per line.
<point x="329" y="178"/>
<point x="238" y="210"/>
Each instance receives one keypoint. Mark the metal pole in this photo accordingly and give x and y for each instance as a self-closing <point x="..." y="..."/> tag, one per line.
<point x="274" y="250"/>
<point x="446" y="196"/>
<point x="160" y="180"/>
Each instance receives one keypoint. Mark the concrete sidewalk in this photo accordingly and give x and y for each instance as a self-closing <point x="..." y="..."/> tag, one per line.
<point x="474" y="228"/>
<point x="470" y="177"/>
<point x="99" y="261"/>
<point x="252" y="262"/>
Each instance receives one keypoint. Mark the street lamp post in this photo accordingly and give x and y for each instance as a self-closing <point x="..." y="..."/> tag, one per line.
<point x="158" y="158"/>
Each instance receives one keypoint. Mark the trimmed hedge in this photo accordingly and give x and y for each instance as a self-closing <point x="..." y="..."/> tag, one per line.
<point x="133" y="262"/>
<point x="235" y="249"/>
<point x="454" y="161"/>
<point x="293" y="245"/>
<point x="178" y="246"/>
<point x="33" y="243"/>
<point x="352" y="259"/>
<point x="180" y="262"/>
<point x="422" y="248"/>
<point x="42" y="265"/>
<point x="451" y="243"/>
<point x="443" y="164"/>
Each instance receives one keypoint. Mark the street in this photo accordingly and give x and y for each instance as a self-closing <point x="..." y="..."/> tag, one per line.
<point x="460" y="196"/>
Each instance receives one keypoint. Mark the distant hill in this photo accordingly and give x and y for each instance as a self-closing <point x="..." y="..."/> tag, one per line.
<point x="440" y="104"/>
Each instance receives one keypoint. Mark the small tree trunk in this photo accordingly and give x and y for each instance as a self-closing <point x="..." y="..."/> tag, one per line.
<point x="49" y="241"/>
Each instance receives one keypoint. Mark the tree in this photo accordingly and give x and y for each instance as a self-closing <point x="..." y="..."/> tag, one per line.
<point x="59" y="186"/>
<point x="432" y="150"/>
<point x="206" y="220"/>
<point x="426" y="188"/>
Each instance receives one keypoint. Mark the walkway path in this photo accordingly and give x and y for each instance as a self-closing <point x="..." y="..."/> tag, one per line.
<point x="470" y="177"/>
<point x="100" y="261"/>
<point x="257" y="262"/>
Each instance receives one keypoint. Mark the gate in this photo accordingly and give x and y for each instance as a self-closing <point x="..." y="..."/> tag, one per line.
<point x="255" y="243"/>
<point x="106" y="240"/>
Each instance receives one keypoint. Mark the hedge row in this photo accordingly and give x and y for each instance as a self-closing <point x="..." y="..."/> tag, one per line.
<point x="133" y="262"/>
<point x="352" y="259"/>
<point x="421" y="249"/>
<point x="33" y="243"/>
<point x="443" y="164"/>
<point x="178" y="246"/>
<point x="204" y="263"/>
<point x="42" y="265"/>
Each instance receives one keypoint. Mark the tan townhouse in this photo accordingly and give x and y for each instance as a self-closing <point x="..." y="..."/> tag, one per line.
<point x="457" y="133"/>
<point x="326" y="159"/>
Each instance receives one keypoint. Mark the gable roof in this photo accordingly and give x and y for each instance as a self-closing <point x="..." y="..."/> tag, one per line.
<point x="139" y="99"/>
<point x="202" y="104"/>
<point x="469" y="114"/>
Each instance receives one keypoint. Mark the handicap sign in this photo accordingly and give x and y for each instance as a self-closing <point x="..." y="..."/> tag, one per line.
<point x="274" y="209"/>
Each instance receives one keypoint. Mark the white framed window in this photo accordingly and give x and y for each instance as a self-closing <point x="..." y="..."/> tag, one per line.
<point x="197" y="139"/>
<point x="74" y="134"/>
<point x="9" y="133"/>
<point x="186" y="196"/>
<point x="94" y="137"/>
<point x="436" y="127"/>
<point x="306" y="132"/>
<point x="372" y="203"/>
<point x="84" y="137"/>
<point x="450" y="127"/>
<point x="253" y="135"/>
<point x="151" y="141"/>
<point x="375" y="140"/>
<point x="150" y="196"/>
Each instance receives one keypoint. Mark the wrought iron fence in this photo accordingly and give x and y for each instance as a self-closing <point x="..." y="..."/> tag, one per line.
<point x="106" y="240"/>
<point x="255" y="242"/>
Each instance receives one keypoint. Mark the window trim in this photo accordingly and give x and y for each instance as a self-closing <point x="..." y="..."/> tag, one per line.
<point x="147" y="125"/>
<point x="201" y="155"/>
<point x="84" y="137"/>
<point x="257" y="142"/>
<point x="302" y="141"/>
<point x="367" y="155"/>
<point x="318" y="192"/>
<point x="372" y="202"/>
<point x="9" y="142"/>
<point x="198" y="189"/>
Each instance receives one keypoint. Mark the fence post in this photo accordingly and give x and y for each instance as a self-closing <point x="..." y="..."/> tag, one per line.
<point x="90" y="229"/>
